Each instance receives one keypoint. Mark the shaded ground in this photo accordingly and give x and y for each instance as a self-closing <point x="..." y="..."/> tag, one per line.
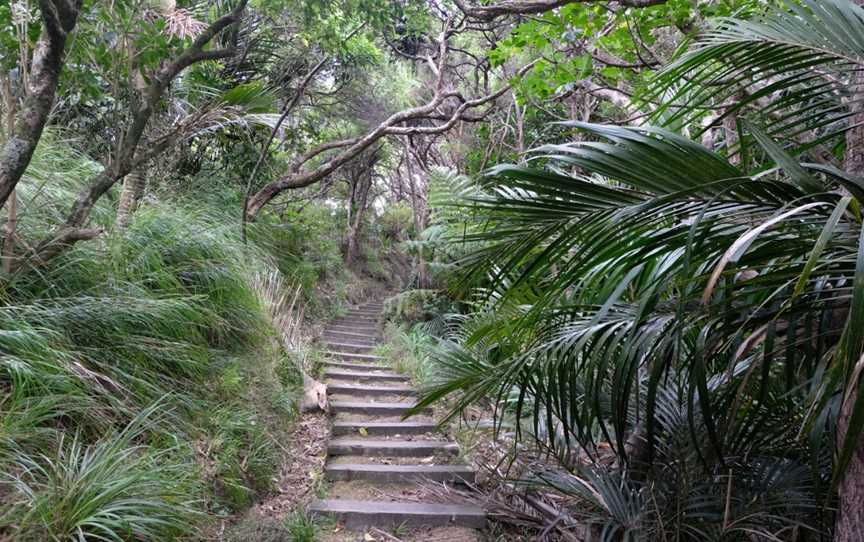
<point x="301" y="472"/>
<point x="298" y="481"/>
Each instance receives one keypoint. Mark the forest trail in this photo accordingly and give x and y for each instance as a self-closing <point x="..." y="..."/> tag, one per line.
<point x="374" y="458"/>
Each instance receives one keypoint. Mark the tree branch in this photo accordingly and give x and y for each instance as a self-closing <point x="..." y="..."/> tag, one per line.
<point x="125" y="161"/>
<point x="58" y="20"/>
<point x="533" y="7"/>
<point x="390" y="126"/>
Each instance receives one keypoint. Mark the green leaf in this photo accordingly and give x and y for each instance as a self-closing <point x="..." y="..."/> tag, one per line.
<point x="789" y="165"/>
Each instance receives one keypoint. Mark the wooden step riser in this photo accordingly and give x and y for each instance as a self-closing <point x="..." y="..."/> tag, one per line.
<point x="358" y="515"/>
<point x="365" y="356"/>
<point x="356" y="366"/>
<point x="365" y="377"/>
<point x="360" y="321"/>
<point x="373" y="409"/>
<point x="368" y="448"/>
<point x="356" y="327"/>
<point x="370" y="334"/>
<point x="400" y="473"/>
<point x="354" y="390"/>
<point x="382" y="429"/>
<point x="348" y="348"/>
<point x="355" y="338"/>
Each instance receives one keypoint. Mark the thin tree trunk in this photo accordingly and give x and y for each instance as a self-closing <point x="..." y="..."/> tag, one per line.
<point x="362" y="193"/>
<point x="730" y="129"/>
<point x="133" y="190"/>
<point x="520" y="130"/>
<point x="58" y="20"/>
<point x="419" y="211"/>
<point x="12" y="203"/>
<point x="850" y="516"/>
<point x="9" y="232"/>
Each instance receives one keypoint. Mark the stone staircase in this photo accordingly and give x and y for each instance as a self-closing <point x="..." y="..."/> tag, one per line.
<point x="374" y="458"/>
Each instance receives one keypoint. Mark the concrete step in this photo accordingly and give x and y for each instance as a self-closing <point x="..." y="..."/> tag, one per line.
<point x="360" y="312"/>
<point x="395" y="448"/>
<point x="383" y="428"/>
<point x="371" y="325"/>
<point x="353" y="348"/>
<point x="358" y="376"/>
<point x="354" y="356"/>
<point x="355" y="366"/>
<point x="370" y="335"/>
<point x="362" y="514"/>
<point x="360" y="390"/>
<point x="367" y="331"/>
<point x="453" y="474"/>
<point x="372" y="409"/>
<point x="356" y="319"/>
<point x="351" y="337"/>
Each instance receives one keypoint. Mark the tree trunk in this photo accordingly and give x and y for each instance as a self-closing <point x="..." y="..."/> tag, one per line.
<point x="850" y="515"/>
<point x="520" y="130"/>
<point x="361" y="194"/>
<point x="418" y="207"/>
<point x="9" y="107"/>
<point x="730" y="129"/>
<point x="9" y="232"/>
<point x="58" y="20"/>
<point x="133" y="189"/>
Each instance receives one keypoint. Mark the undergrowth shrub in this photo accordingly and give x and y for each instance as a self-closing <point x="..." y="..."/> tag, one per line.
<point x="304" y="244"/>
<point x="415" y="306"/>
<point x="163" y="311"/>
<point x="166" y="313"/>
<point x="113" y="489"/>
<point x="408" y="351"/>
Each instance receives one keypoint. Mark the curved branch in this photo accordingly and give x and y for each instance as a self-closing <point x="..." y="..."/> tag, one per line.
<point x="390" y="126"/>
<point x="59" y="18"/>
<point x="125" y="161"/>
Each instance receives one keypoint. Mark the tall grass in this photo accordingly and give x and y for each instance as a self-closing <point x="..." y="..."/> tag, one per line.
<point x="112" y="489"/>
<point x="164" y="313"/>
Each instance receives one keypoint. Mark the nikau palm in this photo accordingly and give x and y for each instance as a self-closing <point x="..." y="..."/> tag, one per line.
<point x="645" y="291"/>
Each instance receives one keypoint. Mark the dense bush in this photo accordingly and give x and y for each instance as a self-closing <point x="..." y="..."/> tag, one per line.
<point x="140" y="386"/>
<point x="415" y="306"/>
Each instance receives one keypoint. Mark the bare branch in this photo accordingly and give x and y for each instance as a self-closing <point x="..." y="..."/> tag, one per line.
<point x="393" y="125"/>
<point x="533" y="7"/>
<point x="61" y="241"/>
<point x="301" y="89"/>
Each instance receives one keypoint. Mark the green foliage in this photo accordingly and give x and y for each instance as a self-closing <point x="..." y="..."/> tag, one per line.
<point x="408" y="351"/>
<point x="304" y="244"/>
<point x="698" y="319"/>
<point x="163" y="310"/>
<point x="776" y="50"/>
<point x="301" y="527"/>
<point x="414" y="306"/>
<point x="242" y="454"/>
<point x="112" y="489"/>
<point x="396" y="222"/>
<point x="555" y="34"/>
